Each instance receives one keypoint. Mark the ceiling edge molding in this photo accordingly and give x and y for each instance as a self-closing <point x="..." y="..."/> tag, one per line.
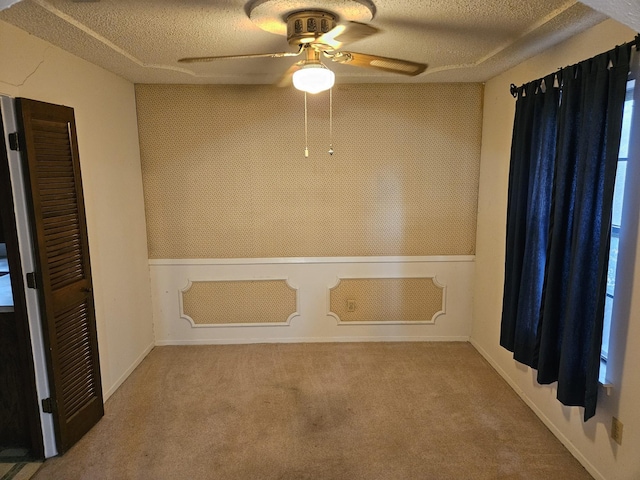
<point x="520" y="39"/>
<point x="106" y="42"/>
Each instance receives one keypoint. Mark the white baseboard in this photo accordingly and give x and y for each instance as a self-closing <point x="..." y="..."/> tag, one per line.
<point x="128" y="372"/>
<point x="549" y="424"/>
<point x="311" y="340"/>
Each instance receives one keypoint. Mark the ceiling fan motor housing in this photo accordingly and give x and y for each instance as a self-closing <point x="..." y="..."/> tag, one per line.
<point x="305" y="26"/>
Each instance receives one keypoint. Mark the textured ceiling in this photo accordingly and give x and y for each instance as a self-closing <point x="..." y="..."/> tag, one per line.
<point x="461" y="40"/>
<point x="626" y="12"/>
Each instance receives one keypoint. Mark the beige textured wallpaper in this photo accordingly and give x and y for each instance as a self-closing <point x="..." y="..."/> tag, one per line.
<point x="225" y="176"/>
<point x="386" y="299"/>
<point x="251" y="301"/>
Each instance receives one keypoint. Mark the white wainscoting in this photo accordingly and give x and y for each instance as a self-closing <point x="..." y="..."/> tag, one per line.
<point x="312" y="278"/>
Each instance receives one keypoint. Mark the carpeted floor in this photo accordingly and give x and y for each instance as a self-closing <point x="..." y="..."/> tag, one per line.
<point x="316" y="411"/>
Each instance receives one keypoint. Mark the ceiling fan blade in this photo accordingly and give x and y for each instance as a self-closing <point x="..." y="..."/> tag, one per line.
<point x="342" y="34"/>
<point x="387" y="64"/>
<point x="232" y="57"/>
<point x="286" y="78"/>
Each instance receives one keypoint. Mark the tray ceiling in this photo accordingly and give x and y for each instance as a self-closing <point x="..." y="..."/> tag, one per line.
<point x="460" y="40"/>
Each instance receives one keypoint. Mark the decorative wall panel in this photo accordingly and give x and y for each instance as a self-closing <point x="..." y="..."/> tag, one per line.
<point x="390" y="300"/>
<point x="225" y="176"/>
<point x="238" y="302"/>
<point x="401" y="286"/>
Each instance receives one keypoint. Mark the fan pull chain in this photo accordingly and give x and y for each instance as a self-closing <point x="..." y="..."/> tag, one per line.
<point x="331" y="121"/>
<point x="306" y="132"/>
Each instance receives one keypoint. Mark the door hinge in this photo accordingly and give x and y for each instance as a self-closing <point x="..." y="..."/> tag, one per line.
<point x="14" y="142"/>
<point x="31" y="280"/>
<point x="47" y="405"/>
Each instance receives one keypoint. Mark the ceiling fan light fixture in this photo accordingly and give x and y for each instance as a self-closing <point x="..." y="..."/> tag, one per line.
<point x="313" y="78"/>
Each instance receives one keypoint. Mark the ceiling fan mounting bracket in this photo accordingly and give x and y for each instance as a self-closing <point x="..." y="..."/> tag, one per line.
<point x="274" y="15"/>
<point x="307" y="25"/>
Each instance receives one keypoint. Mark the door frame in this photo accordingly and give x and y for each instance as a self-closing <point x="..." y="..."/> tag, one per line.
<point x="25" y="242"/>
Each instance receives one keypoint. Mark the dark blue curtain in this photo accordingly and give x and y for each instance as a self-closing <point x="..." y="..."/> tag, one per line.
<point x="530" y="187"/>
<point x="564" y="155"/>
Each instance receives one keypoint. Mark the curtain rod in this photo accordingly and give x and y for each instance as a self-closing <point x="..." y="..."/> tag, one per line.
<point x="513" y="89"/>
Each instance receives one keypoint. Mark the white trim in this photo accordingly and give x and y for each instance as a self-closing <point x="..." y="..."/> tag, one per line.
<point x="387" y="322"/>
<point x="128" y="372"/>
<point x="532" y="405"/>
<point x="342" y="339"/>
<point x="308" y="260"/>
<point x="443" y="310"/>
<point x="286" y="323"/>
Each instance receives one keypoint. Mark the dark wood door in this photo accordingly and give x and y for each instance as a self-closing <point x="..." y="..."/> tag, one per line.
<point x="63" y="277"/>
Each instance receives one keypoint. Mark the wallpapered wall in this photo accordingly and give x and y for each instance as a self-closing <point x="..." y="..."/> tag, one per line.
<point x="225" y="176"/>
<point x="236" y="302"/>
<point x="387" y="299"/>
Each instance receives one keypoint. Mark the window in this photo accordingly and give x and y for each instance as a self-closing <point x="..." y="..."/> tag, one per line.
<point x="6" y="295"/>
<point x="616" y="225"/>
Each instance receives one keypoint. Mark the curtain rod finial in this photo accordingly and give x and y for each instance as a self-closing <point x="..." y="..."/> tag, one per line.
<point x="514" y="90"/>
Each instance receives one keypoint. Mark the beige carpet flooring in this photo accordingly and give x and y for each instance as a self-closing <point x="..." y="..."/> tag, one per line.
<point x="316" y="411"/>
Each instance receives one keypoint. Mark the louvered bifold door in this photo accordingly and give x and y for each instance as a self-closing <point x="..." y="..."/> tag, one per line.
<point x="63" y="277"/>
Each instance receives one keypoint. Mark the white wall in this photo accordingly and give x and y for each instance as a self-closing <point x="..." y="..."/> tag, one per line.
<point x="106" y="121"/>
<point x="590" y="441"/>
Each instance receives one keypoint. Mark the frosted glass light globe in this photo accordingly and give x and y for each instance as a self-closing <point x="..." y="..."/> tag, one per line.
<point x="313" y="78"/>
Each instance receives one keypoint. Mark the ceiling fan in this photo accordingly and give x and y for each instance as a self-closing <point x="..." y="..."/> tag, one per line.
<point x="316" y="33"/>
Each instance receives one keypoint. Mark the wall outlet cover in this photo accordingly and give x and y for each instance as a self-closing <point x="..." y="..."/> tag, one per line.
<point x="616" y="430"/>
<point x="351" y="305"/>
